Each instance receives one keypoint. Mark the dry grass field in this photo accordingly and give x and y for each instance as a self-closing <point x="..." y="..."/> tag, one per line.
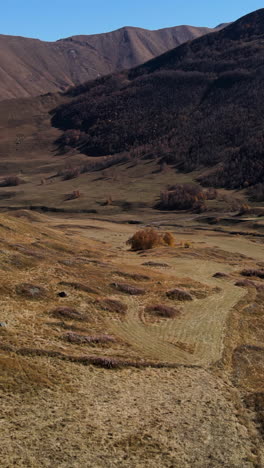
<point x="91" y="378"/>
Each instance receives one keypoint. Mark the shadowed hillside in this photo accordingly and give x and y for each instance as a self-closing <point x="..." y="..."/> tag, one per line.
<point x="198" y="105"/>
<point x="30" y="67"/>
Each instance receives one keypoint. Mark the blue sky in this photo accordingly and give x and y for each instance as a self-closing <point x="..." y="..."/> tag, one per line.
<point x="53" y="19"/>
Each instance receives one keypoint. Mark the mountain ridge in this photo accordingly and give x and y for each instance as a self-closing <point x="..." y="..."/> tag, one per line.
<point x="31" y="67"/>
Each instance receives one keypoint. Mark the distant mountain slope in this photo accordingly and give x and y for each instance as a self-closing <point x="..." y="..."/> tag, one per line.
<point x="30" y="67"/>
<point x="198" y="105"/>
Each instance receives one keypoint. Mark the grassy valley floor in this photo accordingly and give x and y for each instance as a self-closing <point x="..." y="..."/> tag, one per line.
<point x="90" y="377"/>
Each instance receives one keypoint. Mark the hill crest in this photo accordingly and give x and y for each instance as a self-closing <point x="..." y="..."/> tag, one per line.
<point x="31" y="67"/>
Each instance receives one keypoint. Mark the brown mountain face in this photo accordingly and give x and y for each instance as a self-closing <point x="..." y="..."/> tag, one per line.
<point x="198" y="105"/>
<point x="29" y="67"/>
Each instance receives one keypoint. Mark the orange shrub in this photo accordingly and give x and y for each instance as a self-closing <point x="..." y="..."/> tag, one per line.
<point x="149" y="238"/>
<point x="168" y="239"/>
<point x="181" y="197"/>
<point x="187" y="244"/>
<point x="73" y="195"/>
<point x="71" y="173"/>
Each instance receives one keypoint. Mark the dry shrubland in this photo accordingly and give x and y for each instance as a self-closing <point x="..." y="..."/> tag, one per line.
<point x="185" y="197"/>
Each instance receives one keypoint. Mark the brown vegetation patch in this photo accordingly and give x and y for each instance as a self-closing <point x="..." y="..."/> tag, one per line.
<point x="30" y="291"/>
<point x="7" y="195"/>
<point x="68" y="262"/>
<point x="87" y="339"/>
<point x="113" y="305"/>
<point x="58" y="246"/>
<point x="70" y="173"/>
<point x="258" y="286"/>
<point x="156" y="264"/>
<point x="150" y="238"/>
<point x="162" y="310"/>
<point x="253" y="272"/>
<point x="78" y="286"/>
<point x="199" y="293"/>
<point x="67" y="326"/>
<point x="68" y="313"/>
<point x="104" y="362"/>
<point x="220" y="275"/>
<point x="128" y="289"/>
<point x="245" y="284"/>
<point x="11" y="181"/>
<point x="22" y="262"/>
<point x="183" y="197"/>
<point x="133" y="276"/>
<point x="179" y="295"/>
<point x="30" y="252"/>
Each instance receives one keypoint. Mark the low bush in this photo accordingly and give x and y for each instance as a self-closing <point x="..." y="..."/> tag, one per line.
<point x="162" y="311"/>
<point x="11" y="181"/>
<point x="133" y="276"/>
<point x="67" y="313"/>
<point x="71" y="173"/>
<point x="78" y="286"/>
<point x="73" y="195"/>
<point x="253" y="272"/>
<point x="220" y="275"/>
<point x="182" y="197"/>
<point x="186" y="244"/>
<point x="112" y="305"/>
<point x="30" y="291"/>
<point x="128" y="289"/>
<point x="156" y="265"/>
<point x="83" y="339"/>
<point x="179" y="295"/>
<point x="168" y="239"/>
<point x="245" y="284"/>
<point x="149" y="238"/>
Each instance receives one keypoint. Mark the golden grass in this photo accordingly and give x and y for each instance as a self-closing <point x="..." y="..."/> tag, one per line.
<point x="125" y="418"/>
<point x="63" y="410"/>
